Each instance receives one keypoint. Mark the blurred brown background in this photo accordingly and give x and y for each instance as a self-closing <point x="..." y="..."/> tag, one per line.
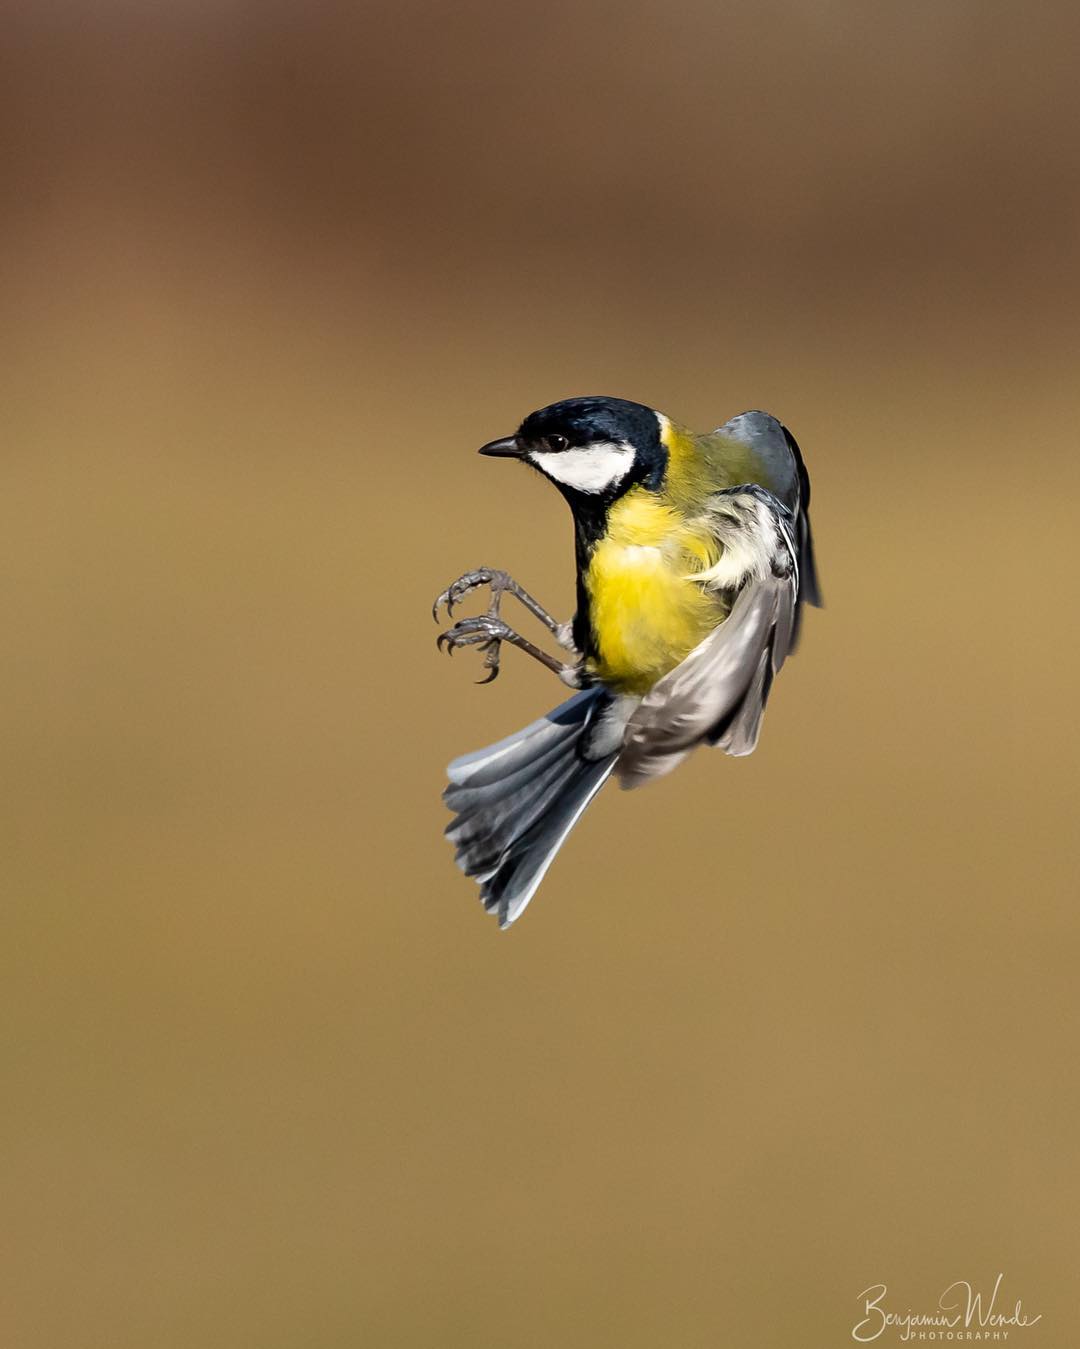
<point x="773" y="1030"/>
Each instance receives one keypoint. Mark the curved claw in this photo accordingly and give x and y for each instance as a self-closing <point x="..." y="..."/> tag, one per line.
<point x="484" y="632"/>
<point x="449" y="599"/>
<point x="491" y="660"/>
<point x="450" y="641"/>
<point x="440" y="600"/>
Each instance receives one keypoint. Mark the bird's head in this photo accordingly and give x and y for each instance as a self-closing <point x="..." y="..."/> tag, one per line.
<point x="592" y="449"/>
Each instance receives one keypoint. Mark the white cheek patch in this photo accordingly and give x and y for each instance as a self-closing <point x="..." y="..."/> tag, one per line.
<point x="593" y="469"/>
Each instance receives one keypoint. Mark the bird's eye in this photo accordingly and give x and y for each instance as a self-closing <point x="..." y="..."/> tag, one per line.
<point x="556" y="443"/>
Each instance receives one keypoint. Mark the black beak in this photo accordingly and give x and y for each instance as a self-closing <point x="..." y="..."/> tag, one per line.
<point x="509" y="448"/>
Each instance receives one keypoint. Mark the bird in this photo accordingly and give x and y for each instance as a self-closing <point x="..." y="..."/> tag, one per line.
<point x="694" y="558"/>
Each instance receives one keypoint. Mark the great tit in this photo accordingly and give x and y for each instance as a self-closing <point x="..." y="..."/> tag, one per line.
<point x="694" y="557"/>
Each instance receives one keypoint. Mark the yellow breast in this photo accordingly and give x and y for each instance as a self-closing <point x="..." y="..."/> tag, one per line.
<point x="646" y="610"/>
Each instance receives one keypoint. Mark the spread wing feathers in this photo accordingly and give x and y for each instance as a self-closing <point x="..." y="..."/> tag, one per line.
<point x="779" y="453"/>
<point x="717" y="695"/>
<point x="516" y="801"/>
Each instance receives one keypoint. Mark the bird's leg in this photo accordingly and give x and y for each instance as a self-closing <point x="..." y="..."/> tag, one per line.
<point x="501" y="583"/>
<point x="488" y="632"/>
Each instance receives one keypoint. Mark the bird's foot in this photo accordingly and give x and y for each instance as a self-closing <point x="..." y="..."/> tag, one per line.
<point x="488" y="632"/>
<point x="502" y="583"/>
<point x="499" y="581"/>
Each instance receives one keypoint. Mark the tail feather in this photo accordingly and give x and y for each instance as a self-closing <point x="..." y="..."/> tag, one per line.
<point x="490" y="830"/>
<point x="523" y="867"/>
<point x="494" y="762"/>
<point x="474" y="804"/>
<point x="517" y="800"/>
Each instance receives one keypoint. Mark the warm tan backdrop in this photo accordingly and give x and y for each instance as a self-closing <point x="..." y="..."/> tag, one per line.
<point x="774" y="1030"/>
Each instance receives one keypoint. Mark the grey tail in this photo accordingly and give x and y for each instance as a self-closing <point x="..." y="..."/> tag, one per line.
<point x="516" y="801"/>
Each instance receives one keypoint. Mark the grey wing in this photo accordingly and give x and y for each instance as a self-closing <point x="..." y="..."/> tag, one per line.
<point x="717" y="695"/>
<point x="784" y="474"/>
